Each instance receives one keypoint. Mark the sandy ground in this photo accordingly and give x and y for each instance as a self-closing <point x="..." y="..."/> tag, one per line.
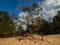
<point x="36" y="40"/>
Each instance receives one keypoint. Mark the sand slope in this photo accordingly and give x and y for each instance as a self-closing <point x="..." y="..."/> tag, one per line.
<point x="36" y="40"/>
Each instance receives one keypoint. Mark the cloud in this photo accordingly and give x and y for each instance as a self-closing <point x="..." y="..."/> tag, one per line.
<point x="21" y="14"/>
<point x="50" y="7"/>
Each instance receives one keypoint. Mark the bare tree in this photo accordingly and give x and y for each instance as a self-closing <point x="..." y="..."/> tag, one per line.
<point x="30" y="16"/>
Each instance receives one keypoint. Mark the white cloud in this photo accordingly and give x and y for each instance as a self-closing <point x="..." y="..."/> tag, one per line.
<point x="21" y="14"/>
<point x="50" y="7"/>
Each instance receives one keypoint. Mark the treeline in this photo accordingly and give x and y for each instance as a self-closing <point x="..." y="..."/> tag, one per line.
<point x="35" y="24"/>
<point x="52" y="27"/>
<point x="8" y="26"/>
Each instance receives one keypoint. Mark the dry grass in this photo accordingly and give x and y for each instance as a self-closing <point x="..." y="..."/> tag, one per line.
<point x="36" y="40"/>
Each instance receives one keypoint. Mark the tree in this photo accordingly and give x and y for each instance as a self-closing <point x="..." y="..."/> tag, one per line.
<point x="20" y="30"/>
<point x="7" y="27"/>
<point x="29" y="19"/>
<point x="40" y="22"/>
<point x="56" y="22"/>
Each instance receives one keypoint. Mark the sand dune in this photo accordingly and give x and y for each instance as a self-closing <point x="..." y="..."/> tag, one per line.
<point x="36" y="40"/>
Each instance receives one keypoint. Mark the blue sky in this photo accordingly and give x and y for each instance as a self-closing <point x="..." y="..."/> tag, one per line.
<point x="29" y="2"/>
<point x="50" y="7"/>
<point x="11" y="5"/>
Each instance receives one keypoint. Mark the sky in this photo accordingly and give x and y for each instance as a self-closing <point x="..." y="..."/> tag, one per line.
<point x="50" y="7"/>
<point x="11" y="5"/>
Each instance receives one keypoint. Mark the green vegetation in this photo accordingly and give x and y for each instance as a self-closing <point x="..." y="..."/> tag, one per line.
<point x="7" y="27"/>
<point x="56" y="22"/>
<point x="34" y="25"/>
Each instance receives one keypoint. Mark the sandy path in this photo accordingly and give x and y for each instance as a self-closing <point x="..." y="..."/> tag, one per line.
<point x="51" y="40"/>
